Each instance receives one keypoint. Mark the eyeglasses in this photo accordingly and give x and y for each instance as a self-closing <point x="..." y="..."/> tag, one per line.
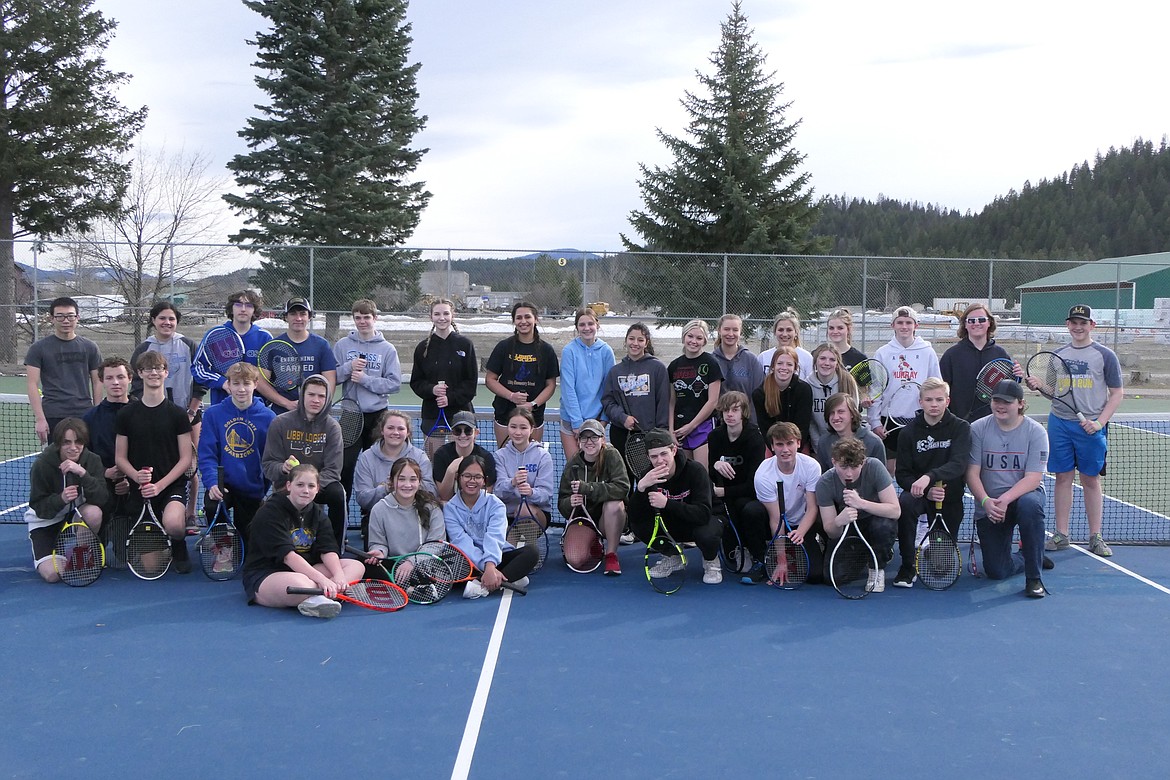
<point x="464" y="431"/>
<point x="244" y="304"/>
<point x="152" y="370"/>
<point x="583" y="438"/>
<point x="976" y="320"/>
<point x="473" y="477"/>
<point x="64" y="317"/>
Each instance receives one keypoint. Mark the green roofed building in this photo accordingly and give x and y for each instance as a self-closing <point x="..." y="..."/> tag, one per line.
<point x="1117" y="282"/>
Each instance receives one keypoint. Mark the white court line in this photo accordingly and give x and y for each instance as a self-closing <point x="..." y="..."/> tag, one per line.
<point x="479" y="701"/>
<point x="1121" y="569"/>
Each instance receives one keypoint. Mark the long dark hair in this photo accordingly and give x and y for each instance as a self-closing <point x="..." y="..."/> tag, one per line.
<point x="424" y="500"/>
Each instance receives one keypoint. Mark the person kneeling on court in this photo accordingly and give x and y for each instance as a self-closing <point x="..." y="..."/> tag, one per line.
<point x="292" y="545"/>
<point x="859" y="490"/>
<point x="64" y="462"/>
<point x="477" y="523"/>
<point x="1009" y="454"/>
<point x="680" y="490"/>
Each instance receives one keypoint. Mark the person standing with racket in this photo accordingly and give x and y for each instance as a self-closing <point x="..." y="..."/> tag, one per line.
<point x="1009" y="454"/>
<point x="376" y="464"/>
<point x="737" y="450"/>
<point x="115" y="376"/>
<point x="243" y="309"/>
<point x="637" y="391"/>
<point x="596" y="478"/>
<point x="679" y="490"/>
<point x="1077" y="444"/>
<point x="522" y="372"/>
<point x="448" y="457"/>
<point x="236" y="431"/>
<point x="369" y="372"/>
<point x="445" y="375"/>
<point x="293" y="545"/>
<point x="64" y="367"/>
<point x="585" y="363"/>
<point x="910" y="361"/>
<point x="477" y="523"/>
<point x="839" y="333"/>
<point x="316" y="356"/>
<point x="153" y="449"/>
<point x="933" y="448"/>
<point x="961" y="363"/>
<point x="859" y="490"/>
<point x="697" y="380"/>
<point x="64" y="474"/>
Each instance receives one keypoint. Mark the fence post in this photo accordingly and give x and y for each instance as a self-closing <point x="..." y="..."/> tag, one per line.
<point x="990" y="282"/>
<point x="864" y="300"/>
<point x="312" y="280"/>
<point x="584" y="280"/>
<point x="448" y="295"/>
<point x="1116" y="303"/>
<point x="36" y="318"/>
<point x="724" y="309"/>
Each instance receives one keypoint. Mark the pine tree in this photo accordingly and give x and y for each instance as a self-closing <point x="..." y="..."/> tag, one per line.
<point x="62" y="131"/>
<point x="734" y="186"/>
<point x="330" y="163"/>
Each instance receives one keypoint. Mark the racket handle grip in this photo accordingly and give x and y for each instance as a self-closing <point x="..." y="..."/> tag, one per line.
<point x="292" y="590"/>
<point x="349" y="548"/>
<point x="518" y="590"/>
<point x="1081" y="417"/>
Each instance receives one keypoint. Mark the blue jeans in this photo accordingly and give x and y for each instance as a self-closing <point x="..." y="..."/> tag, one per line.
<point x="1000" y="560"/>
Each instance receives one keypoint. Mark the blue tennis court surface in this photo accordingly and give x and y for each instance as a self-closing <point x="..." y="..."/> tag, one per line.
<point x="595" y="677"/>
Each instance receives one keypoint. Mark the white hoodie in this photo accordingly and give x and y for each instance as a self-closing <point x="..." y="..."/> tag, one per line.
<point x="915" y="363"/>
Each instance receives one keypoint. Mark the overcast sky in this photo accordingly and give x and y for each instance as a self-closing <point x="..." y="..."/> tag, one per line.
<point x="540" y="112"/>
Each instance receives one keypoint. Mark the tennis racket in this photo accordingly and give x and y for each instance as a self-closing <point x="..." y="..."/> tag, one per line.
<point x="732" y="554"/>
<point x="1053" y="380"/>
<point x="938" y="561"/>
<point x="424" y="576"/>
<point x="378" y="595"/>
<point x="853" y="562"/>
<point x="148" y="547"/>
<point x="461" y="567"/>
<point x="525" y="529"/>
<point x="785" y="563"/>
<point x="872" y="378"/>
<point x="281" y="364"/>
<point x="902" y="405"/>
<point x="972" y="566"/>
<point x="985" y="382"/>
<point x="582" y="545"/>
<point x="221" y="546"/>
<point x="636" y="453"/>
<point x="78" y="554"/>
<point x="117" y="529"/>
<point x="349" y="416"/>
<point x="666" y="564"/>
<point x="441" y="427"/>
<point x="220" y="349"/>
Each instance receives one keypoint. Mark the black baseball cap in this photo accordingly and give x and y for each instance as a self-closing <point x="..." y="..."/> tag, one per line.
<point x="298" y="303"/>
<point x="1008" y="390"/>
<point x="1080" y="312"/>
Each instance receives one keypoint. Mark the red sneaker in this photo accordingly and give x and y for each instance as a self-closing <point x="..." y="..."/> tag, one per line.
<point x="612" y="567"/>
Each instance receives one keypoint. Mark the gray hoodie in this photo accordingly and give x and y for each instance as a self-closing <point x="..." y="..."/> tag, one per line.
<point x="316" y="441"/>
<point x="395" y="529"/>
<point x="369" y="475"/>
<point x="383" y="375"/>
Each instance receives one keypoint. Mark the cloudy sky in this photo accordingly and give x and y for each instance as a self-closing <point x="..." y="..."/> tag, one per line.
<point x="540" y="112"/>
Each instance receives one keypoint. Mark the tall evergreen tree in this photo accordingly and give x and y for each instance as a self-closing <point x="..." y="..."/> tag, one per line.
<point x="330" y="163"/>
<point x="734" y="186"/>
<point x="63" y="133"/>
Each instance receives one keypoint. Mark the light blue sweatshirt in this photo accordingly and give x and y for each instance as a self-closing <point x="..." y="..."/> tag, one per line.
<point x="583" y="373"/>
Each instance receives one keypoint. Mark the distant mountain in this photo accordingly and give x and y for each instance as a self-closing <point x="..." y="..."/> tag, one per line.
<point x="568" y="254"/>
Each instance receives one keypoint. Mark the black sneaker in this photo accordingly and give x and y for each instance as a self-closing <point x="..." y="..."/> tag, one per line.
<point x="1034" y="589"/>
<point x="905" y="577"/>
<point x="754" y="576"/>
<point x="182" y="558"/>
<point x="1047" y="564"/>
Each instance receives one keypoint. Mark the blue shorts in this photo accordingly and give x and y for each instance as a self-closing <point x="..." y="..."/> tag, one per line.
<point x="1070" y="448"/>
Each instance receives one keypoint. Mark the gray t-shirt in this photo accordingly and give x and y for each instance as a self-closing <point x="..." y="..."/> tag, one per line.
<point x="1004" y="457"/>
<point x="1094" y="370"/>
<point x="873" y="479"/>
<point x="65" y="367"/>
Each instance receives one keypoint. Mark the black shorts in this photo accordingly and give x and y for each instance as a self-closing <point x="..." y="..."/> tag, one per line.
<point x="43" y="540"/>
<point x="177" y="492"/>
<point x="252" y="579"/>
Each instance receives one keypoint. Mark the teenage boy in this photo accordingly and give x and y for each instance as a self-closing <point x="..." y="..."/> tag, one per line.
<point x="679" y="490"/>
<point x="243" y="309"/>
<point x="153" y="448"/>
<point x="308" y="434"/>
<point x="63" y="366"/>
<point x="859" y="490"/>
<point x="736" y="449"/>
<point x="963" y="361"/>
<point x="234" y="434"/>
<point x="1082" y="446"/>
<point x="907" y="358"/>
<point x="316" y="355"/>
<point x="1008" y="457"/>
<point x="445" y="466"/>
<point x="933" y="448"/>
<point x="101" y="420"/>
<point x="369" y="371"/>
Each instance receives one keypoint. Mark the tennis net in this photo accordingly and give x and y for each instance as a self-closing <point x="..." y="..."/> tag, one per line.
<point x="1136" y="483"/>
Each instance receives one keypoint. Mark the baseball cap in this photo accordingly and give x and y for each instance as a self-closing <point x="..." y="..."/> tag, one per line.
<point x="659" y="437"/>
<point x="1008" y="390"/>
<point x="905" y="311"/>
<point x="298" y="303"/>
<point x="1080" y="312"/>
<point x="466" y="419"/>
<point x="591" y="427"/>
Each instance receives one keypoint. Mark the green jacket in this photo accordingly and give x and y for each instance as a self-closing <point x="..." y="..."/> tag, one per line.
<point x="609" y="483"/>
<point x="45" y="494"/>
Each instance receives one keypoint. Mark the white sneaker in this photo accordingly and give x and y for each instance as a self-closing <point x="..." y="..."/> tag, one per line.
<point x="521" y="583"/>
<point x="628" y="538"/>
<point x="319" y="607"/>
<point x="877" y="580"/>
<point x="474" y="590"/>
<point x="667" y="565"/>
<point x="712" y="572"/>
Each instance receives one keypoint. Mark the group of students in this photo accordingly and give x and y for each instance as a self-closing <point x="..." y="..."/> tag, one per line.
<point x="725" y="427"/>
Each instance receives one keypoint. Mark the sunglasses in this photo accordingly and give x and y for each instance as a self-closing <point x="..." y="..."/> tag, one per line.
<point x="976" y="320"/>
<point x="462" y="431"/>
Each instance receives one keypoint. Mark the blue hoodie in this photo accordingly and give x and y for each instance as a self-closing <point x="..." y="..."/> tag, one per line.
<point x="481" y="531"/>
<point x="204" y="374"/>
<point x="583" y="373"/>
<point x="234" y="439"/>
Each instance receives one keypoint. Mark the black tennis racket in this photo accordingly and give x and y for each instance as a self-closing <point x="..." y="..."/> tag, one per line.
<point x="853" y="564"/>
<point x="282" y="365"/>
<point x="872" y="378"/>
<point x="462" y="569"/>
<point x="220" y="349"/>
<point x="349" y="416"/>
<point x="666" y="563"/>
<point x="938" y="560"/>
<point x="1049" y="374"/>
<point x="78" y="553"/>
<point x="732" y="553"/>
<point x="526" y="530"/>
<point x="786" y="563"/>
<point x="636" y="454"/>
<point x="582" y="545"/>
<point x="221" y="546"/>
<point x="378" y="595"/>
<point x="148" y="547"/>
<point x="986" y="380"/>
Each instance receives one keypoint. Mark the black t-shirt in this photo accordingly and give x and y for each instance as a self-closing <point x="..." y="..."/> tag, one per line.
<point x="445" y="456"/>
<point x="152" y="434"/>
<point x="690" y="380"/>
<point x="522" y="368"/>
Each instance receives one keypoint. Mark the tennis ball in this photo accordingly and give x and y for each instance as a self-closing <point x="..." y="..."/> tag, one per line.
<point x="292" y="460"/>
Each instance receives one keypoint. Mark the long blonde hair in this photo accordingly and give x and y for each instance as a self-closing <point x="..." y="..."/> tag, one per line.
<point x="789" y="315"/>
